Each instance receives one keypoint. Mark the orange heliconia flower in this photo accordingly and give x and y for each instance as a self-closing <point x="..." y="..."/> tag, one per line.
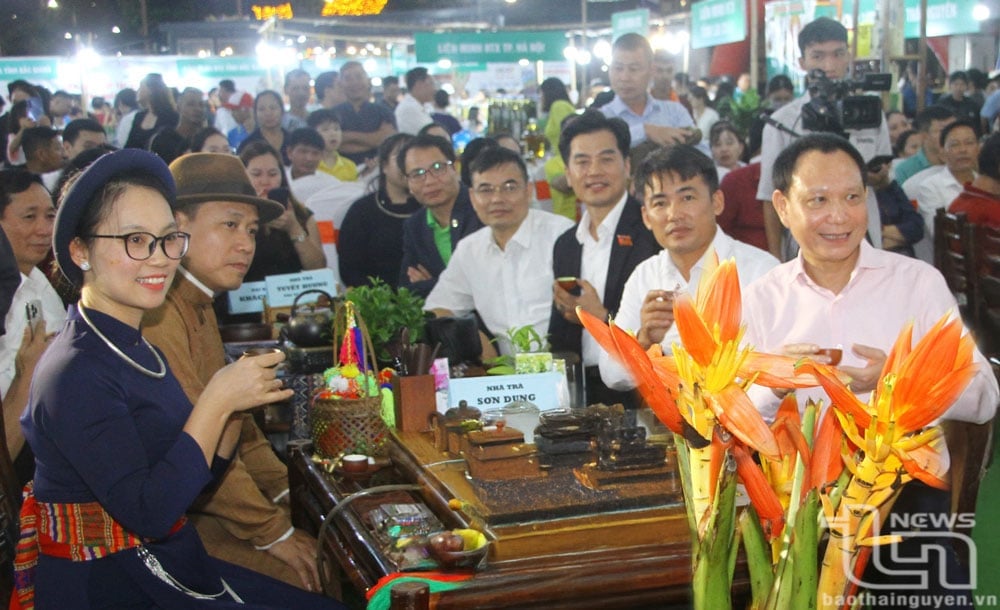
<point x="917" y="386"/>
<point x="702" y="386"/>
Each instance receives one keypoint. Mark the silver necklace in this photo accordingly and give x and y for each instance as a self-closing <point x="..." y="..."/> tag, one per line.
<point x="123" y="356"/>
<point x="385" y="209"/>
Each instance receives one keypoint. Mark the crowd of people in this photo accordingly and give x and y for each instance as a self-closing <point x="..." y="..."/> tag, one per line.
<point x="128" y="226"/>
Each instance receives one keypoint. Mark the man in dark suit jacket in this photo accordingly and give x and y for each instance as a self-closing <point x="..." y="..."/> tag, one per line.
<point x="604" y="248"/>
<point x="429" y="238"/>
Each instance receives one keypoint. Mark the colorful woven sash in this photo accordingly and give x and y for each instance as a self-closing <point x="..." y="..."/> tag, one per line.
<point x="78" y="532"/>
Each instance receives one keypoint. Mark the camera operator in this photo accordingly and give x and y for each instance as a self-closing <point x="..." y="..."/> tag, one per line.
<point x="823" y="44"/>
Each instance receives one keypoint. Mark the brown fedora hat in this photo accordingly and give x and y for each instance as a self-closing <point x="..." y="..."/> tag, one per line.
<point x="202" y="177"/>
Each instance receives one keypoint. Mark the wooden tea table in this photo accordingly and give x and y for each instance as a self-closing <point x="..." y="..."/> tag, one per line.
<point x="554" y="543"/>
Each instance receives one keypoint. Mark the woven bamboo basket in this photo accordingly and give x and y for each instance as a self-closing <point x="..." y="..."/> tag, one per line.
<point x="349" y="425"/>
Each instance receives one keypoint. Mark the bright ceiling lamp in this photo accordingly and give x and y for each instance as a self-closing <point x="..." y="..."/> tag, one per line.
<point x="333" y="8"/>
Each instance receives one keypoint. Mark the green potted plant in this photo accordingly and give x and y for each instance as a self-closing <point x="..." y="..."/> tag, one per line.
<point x="524" y="340"/>
<point x="741" y="112"/>
<point x="386" y="312"/>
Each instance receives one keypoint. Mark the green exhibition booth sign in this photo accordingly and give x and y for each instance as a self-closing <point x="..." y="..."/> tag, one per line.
<point x="715" y="22"/>
<point x="220" y="67"/>
<point x="944" y="17"/>
<point x="630" y="22"/>
<point x="483" y="47"/>
<point x="43" y="68"/>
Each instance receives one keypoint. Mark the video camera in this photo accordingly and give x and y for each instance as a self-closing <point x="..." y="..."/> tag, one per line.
<point x="834" y="108"/>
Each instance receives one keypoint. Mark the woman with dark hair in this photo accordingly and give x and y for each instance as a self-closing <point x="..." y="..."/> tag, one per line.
<point x="555" y="101"/>
<point x="268" y="110"/>
<point x="121" y="453"/>
<point x="701" y="109"/>
<point x="472" y="124"/>
<point x="908" y="144"/>
<point x="290" y="243"/>
<point x="727" y="147"/>
<point x="160" y="111"/>
<point x="67" y="291"/>
<point x="370" y="243"/>
<point x="210" y="140"/>
<point x="168" y="144"/>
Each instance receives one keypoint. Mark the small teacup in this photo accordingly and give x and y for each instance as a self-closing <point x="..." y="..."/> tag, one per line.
<point x="833" y="355"/>
<point x="261" y="351"/>
<point x="354" y="464"/>
<point x="567" y="283"/>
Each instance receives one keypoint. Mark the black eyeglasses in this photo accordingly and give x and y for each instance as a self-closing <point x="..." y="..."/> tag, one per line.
<point x="435" y="169"/>
<point x="507" y="188"/>
<point x="141" y="245"/>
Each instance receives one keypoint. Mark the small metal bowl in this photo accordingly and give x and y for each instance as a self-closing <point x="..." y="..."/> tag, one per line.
<point x="474" y="559"/>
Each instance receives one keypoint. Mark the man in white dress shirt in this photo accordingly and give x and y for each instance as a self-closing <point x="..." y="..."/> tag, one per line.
<point x="411" y="112"/>
<point x="938" y="185"/>
<point x="603" y="249"/>
<point x="26" y="216"/>
<point x="224" y="120"/>
<point x="681" y="200"/>
<point x="504" y="270"/>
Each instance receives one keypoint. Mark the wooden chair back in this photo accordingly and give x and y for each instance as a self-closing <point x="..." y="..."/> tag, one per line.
<point x="987" y="291"/>
<point x="954" y="256"/>
<point x="971" y="448"/>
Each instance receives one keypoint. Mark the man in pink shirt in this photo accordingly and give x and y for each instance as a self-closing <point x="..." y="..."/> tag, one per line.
<point x="840" y="292"/>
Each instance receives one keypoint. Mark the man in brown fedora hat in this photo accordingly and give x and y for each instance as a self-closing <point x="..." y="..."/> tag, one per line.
<point x="245" y="520"/>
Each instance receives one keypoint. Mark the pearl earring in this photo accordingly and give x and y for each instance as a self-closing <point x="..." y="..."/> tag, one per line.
<point x="85" y="266"/>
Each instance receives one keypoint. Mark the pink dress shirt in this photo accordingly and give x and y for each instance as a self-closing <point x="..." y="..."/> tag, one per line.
<point x="885" y="290"/>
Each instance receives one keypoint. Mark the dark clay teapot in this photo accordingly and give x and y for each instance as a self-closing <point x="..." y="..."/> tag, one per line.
<point x="311" y="326"/>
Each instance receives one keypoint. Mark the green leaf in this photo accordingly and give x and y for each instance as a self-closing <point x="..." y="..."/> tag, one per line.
<point x="804" y="557"/>
<point x="525" y="339"/>
<point x="797" y="572"/>
<point x="758" y="552"/>
<point x="740" y="112"/>
<point x="387" y="311"/>
<point x="712" y="582"/>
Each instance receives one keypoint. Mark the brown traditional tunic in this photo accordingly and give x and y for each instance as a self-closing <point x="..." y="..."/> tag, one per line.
<point x="239" y="514"/>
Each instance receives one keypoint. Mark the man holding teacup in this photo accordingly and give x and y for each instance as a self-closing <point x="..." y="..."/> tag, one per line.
<point x="244" y="520"/>
<point x="681" y="199"/>
<point x="592" y="260"/>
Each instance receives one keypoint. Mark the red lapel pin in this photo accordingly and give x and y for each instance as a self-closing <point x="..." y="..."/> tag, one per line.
<point x="624" y="240"/>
